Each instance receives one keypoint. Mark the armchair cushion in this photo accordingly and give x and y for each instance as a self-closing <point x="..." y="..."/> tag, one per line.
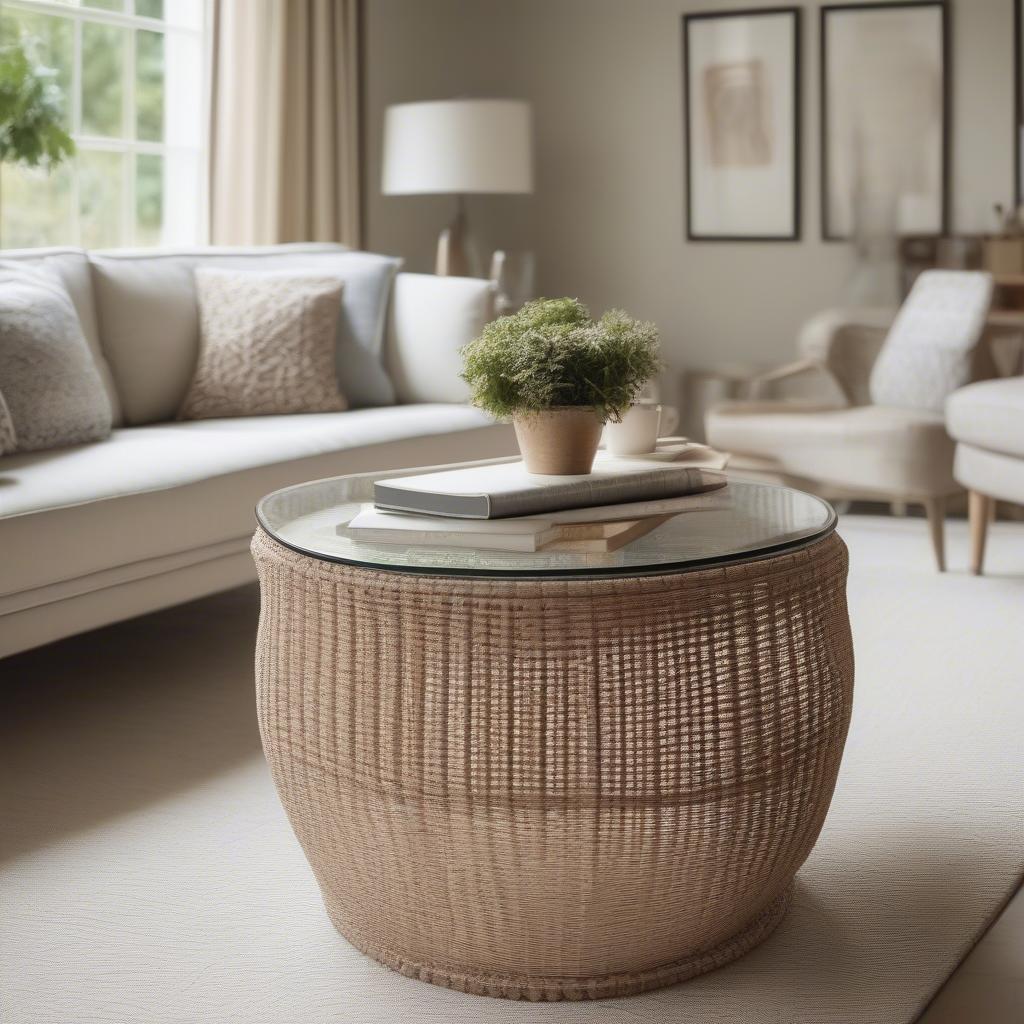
<point x="991" y="473"/>
<point x="872" y="450"/>
<point x="990" y="415"/>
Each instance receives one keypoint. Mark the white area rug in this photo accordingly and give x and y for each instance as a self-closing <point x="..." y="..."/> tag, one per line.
<point x="147" y="872"/>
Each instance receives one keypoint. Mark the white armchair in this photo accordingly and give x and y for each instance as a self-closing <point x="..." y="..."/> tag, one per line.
<point x="884" y="435"/>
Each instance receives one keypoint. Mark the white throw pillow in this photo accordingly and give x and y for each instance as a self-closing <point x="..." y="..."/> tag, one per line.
<point x="430" y="321"/>
<point x="52" y="389"/>
<point x="927" y="353"/>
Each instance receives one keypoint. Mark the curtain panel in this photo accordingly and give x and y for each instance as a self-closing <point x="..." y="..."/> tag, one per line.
<point x="284" y="146"/>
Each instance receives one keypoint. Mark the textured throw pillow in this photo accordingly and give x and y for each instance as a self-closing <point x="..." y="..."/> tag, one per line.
<point x="927" y="353"/>
<point x="8" y="435"/>
<point x="51" y="387"/>
<point x="266" y="345"/>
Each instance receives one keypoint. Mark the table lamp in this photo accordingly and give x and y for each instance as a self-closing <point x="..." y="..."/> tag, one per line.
<point x="457" y="147"/>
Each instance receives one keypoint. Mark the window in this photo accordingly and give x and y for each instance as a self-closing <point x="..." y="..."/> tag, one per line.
<point x="133" y="76"/>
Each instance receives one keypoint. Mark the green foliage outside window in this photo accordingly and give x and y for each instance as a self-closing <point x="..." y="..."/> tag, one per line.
<point x="32" y="114"/>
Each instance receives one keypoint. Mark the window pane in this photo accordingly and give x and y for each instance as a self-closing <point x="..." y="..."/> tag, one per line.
<point x="149" y="199"/>
<point x="103" y="49"/>
<point x="105" y="5"/>
<point x="182" y="189"/>
<point x="36" y="207"/>
<point x="100" y="184"/>
<point x="183" y="90"/>
<point x="150" y="8"/>
<point x="186" y="13"/>
<point x="48" y="41"/>
<point x="149" y="88"/>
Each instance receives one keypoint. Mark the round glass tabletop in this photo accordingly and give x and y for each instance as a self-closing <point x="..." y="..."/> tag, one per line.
<point x="760" y="519"/>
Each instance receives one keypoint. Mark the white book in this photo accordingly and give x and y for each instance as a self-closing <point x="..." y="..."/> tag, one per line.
<point x="527" y="533"/>
<point x="507" y="489"/>
<point x="372" y="526"/>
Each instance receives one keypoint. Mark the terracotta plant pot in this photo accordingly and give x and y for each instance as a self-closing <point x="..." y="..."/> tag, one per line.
<point x="559" y="442"/>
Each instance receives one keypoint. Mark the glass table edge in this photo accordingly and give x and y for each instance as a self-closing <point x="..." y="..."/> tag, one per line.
<point x="583" y="573"/>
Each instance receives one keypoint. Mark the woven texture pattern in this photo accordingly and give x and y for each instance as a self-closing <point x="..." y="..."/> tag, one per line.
<point x="555" y="789"/>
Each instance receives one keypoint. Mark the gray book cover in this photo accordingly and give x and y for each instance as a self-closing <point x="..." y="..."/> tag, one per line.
<point x="500" y="491"/>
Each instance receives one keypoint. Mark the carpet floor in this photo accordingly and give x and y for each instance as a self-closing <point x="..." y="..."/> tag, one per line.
<point x="147" y="872"/>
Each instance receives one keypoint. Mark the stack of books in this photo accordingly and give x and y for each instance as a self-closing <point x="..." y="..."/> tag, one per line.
<point x="501" y="507"/>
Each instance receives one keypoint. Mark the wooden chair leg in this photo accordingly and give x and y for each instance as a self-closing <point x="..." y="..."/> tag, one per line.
<point x="935" y="509"/>
<point x="979" y="512"/>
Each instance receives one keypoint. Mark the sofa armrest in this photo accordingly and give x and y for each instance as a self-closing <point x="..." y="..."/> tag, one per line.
<point x="430" y="320"/>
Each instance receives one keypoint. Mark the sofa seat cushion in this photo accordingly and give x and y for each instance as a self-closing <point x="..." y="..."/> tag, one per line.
<point x="871" y="449"/>
<point x="148" y="492"/>
<point x="989" y="414"/>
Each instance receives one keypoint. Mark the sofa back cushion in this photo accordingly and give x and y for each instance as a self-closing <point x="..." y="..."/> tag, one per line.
<point x="72" y="267"/>
<point x="431" y="319"/>
<point x="149" y="320"/>
<point x="927" y="353"/>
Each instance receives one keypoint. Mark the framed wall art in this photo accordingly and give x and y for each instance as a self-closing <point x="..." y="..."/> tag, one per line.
<point x="1018" y="101"/>
<point x="884" y="118"/>
<point x="741" y="89"/>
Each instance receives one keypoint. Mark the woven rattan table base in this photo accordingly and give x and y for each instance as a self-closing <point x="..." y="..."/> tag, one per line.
<point x="537" y="988"/>
<point x="555" y="789"/>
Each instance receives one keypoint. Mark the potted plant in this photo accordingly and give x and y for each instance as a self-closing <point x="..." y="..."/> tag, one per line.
<point x="559" y="376"/>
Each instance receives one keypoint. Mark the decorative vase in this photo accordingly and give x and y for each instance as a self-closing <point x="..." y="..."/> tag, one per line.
<point x="559" y="442"/>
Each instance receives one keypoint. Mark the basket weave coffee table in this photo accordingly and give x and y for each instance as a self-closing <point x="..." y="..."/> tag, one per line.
<point x="555" y="776"/>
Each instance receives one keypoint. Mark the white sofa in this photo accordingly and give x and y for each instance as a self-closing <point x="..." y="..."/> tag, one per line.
<point x="162" y="512"/>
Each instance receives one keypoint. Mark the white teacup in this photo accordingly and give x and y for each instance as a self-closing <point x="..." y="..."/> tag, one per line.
<point x="636" y="433"/>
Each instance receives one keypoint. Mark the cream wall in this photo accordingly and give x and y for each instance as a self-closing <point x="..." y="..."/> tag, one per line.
<point x="606" y="221"/>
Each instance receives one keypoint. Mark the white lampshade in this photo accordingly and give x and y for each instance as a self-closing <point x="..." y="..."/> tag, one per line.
<point x="457" y="146"/>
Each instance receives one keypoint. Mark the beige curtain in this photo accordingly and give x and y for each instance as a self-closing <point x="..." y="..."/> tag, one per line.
<point x="284" y="148"/>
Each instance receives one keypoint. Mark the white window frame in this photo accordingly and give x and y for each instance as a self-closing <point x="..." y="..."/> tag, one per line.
<point x="128" y="144"/>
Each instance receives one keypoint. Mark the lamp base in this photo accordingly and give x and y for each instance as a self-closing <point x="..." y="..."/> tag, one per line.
<point x="456" y="254"/>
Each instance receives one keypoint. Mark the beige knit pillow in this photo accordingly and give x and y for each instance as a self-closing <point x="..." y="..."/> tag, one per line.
<point x="266" y="345"/>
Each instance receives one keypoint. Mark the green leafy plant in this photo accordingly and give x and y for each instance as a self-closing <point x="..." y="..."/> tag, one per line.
<point x="551" y="353"/>
<point x="31" y="110"/>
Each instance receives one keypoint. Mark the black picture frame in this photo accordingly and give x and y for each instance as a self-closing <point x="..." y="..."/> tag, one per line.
<point x="1018" y="100"/>
<point x="796" y="13"/>
<point x="823" y="112"/>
